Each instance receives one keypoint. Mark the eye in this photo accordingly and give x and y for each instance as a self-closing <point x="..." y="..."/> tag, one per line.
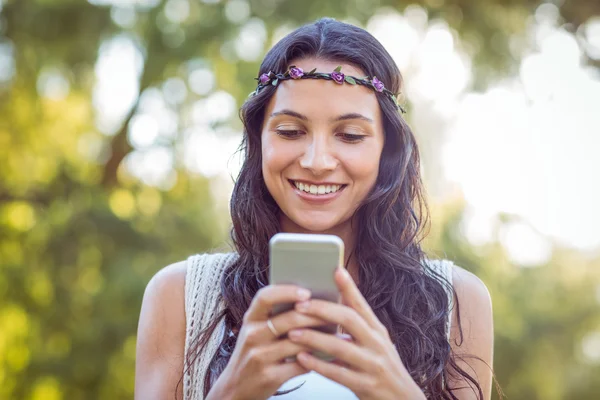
<point x="288" y="134"/>
<point x="351" y="138"/>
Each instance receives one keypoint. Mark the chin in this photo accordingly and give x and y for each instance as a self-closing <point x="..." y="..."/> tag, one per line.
<point x="316" y="225"/>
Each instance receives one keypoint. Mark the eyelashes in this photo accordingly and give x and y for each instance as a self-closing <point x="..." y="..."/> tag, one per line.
<point x="288" y="134"/>
<point x="352" y="138"/>
<point x="294" y="133"/>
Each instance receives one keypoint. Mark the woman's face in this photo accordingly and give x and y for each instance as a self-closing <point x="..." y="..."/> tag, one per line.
<point x="321" y="146"/>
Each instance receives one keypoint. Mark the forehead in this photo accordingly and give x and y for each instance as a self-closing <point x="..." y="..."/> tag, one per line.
<point x="324" y="99"/>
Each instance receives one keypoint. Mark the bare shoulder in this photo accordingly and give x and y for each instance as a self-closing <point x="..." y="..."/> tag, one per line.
<point x="470" y="287"/>
<point x="171" y="277"/>
<point x="161" y="335"/>
<point x="475" y="345"/>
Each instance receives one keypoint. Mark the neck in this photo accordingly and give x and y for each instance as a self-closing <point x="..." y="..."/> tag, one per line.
<point x="344" y="231"/>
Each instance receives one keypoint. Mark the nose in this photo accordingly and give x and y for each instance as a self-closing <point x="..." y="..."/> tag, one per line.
<point x="318" y="157"/>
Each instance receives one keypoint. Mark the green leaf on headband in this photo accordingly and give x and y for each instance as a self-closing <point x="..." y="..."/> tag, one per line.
<point x="338" y="69"/>
<point x="312" y="71"/>
<point x="350" y="80"/>
<point x="274" y="83"/>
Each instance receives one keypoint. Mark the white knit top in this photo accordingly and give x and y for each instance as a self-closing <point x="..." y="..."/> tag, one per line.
<point x="203" y="302"/>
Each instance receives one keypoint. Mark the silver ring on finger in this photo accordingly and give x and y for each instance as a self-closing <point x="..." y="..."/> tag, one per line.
<point x="272" y="328"/>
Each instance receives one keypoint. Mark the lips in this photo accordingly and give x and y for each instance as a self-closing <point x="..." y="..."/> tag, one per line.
<point x="316" y="198"/>
<point x="316" y="189"/>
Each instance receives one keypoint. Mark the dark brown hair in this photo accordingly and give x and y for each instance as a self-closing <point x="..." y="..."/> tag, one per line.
<point x="390" y="222"/>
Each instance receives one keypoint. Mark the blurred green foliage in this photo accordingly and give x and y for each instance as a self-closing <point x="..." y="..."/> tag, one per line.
<point x="542" y="315"/>
<point x="80" y="237"/>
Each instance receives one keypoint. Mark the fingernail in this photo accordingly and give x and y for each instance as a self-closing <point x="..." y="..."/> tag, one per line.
<point x="295" y="333"/>
<point x="302" y="306"/>
<point x="303" y="294"/>
<point x="345" y="274"/>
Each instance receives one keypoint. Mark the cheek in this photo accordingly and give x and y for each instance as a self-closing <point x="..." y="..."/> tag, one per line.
<point x="271" y="158"/>
<point x="275" y="158"/>
<point x="363" y="167"/>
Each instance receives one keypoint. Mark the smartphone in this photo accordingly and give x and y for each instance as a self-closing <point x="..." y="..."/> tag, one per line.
<point x="309" y="261"/>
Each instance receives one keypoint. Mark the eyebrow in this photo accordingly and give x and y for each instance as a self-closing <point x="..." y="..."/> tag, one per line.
<point x="342" y="117"/>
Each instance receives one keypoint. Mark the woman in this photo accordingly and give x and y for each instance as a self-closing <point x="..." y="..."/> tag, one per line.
<point x="323" y="121"/>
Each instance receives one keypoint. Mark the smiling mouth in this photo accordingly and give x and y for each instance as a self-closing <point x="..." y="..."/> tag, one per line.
<point x="317" y="189"/>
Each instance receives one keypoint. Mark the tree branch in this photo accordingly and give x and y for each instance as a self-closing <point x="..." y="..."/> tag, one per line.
<point x="119" y="148"/>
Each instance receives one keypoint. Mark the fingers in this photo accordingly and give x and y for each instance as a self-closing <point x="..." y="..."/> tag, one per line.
<point x="293" y="319"/>
<point x="354" y="299"/>
<point x="337" y="373"/>
<point x="341" y="349"/>
<point x="268" y="296"/>
<point x="338" y="314"/>
<point x="278" y="351"/>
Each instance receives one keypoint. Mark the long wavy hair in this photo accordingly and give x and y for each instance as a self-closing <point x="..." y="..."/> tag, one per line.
<point x="411" y="303"/>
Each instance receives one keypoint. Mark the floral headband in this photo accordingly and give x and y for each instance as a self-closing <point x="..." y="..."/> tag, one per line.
<point x="337" y="76"/>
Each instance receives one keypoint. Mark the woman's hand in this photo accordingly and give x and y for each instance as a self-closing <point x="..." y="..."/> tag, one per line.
<point x="256" y="368"/>
<point x="369" y="365"/>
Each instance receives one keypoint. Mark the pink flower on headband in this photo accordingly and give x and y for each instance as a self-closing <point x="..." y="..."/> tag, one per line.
<point x="337" y="77"/>
<point x="296" y="72"/>
<point x="377" y="84"/>
<point x="264" y="78"/>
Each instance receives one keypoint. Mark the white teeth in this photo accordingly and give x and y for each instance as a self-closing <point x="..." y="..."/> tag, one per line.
<point x="314" y="189"/>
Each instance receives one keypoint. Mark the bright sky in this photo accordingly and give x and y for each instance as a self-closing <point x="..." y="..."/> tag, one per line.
<point x="524" y="146"/>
